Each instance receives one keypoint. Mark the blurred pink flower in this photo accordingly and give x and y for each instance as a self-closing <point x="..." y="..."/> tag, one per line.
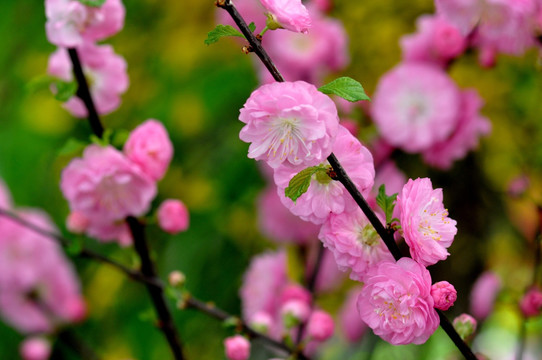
<point x="288" y="14"/>
<point x="173" y="216"/>
<point x="425" y="224"/>
<point x="295" y="309"/>
<point x="149" y="146"/>
<point x="396" y="302"/>
<point x="289" y="122"/>
<point x="483" y="294"/>
<point x="352" y="328"/>
<point x="329" y="277"/>
<point x="77" y="223"/>
<point x="444" y="295"/>
<point x="531" y="303"/>
<point x="389" y="175"/>
<point x="105" y="72"/>
<point x="415" y="106"/>
<point x="237" y="347"/>
<point x="70" y="23"/>
<point x="35" y="348"/>
<point x="320" y="326"/>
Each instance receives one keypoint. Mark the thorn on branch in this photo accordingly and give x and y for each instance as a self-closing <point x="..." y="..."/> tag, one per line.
<point x="220" y="3"/>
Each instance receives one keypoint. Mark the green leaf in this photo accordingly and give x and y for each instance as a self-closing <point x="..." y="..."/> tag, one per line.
<point x="119" y="137"/>
<point x="386" y="203"/>
<point x="105" y="140"/>
<point x="347" y="88"/>
<point x="39" y="83"/>
<point x="65" y="90"/>
<point x="231" y="322"/>
<point x="300" y="183"/>
<point x="252" y="26"/>
<point x="221" y="31"/>
<point x="93" y="3"/>
<point x="72" y="147"/>
<point x="75" y="246"/>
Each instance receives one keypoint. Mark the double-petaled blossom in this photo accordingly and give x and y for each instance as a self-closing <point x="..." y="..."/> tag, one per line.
<point x="396" y="302"/>
<point x="237" y="347"/>
<point x="288" y="14"/>
<point x="320" y="326"/>
<point x="531" y="303"/>
<point x="444" y="295"/>
<point x="289" y="122"/>
<point x="425" y="224"/>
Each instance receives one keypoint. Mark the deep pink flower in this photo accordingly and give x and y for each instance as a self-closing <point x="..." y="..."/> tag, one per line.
<point x="352" y="328"/>
<point x="173" y="216"/>
<point x="288" y="14"/>
<point x="149" y="146"/>
<point x="483" y="294"/>
<point x="35" y="348"/>
<point x="237" y="347"/>
<point x="320" y="326"/>
<point x="325" y="196"/>
<point x="415" y="106"/>
<point x="70" y="23"/>
<point x="425" y="224"/>
<point x="105" y="72"/>
<point x="354" y="243"/>
<point x="289" y="122"/>
<point x="531" y="303"/>
<point x="444" y="295"/>
<point x="396" y="302"/>
<point x="469" y="128"/>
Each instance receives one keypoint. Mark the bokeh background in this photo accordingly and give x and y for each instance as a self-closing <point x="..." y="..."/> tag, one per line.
<point x="197" y="91"/>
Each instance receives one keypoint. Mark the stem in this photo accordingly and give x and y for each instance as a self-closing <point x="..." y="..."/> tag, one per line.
<point x="263" y="31"/>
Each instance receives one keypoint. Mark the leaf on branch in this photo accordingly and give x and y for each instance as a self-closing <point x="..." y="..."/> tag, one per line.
<point x="300" y="183"/>
<point x="221" y="31"/>
<point x="72" y="147"/>
<point x="386" y="203"/>
<point x="75" y="247"/>
<point x="347" y="88"/>
<point x="40" y="82"/>
<point x="252" y="26"/>
<point x="93" y="3"/>
<point x="65" y="90"/>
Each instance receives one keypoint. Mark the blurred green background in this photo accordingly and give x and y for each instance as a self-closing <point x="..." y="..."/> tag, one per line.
<point x="197" y="91"/>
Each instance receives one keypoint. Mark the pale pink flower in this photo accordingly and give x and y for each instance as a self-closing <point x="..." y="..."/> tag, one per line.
<point x="289" y="122"/>
<point x="35" y="348"/>
<point x="396" y="302"/>
<point x="320" y="326"/>
<point x="105" y="72"/>
<point x="444" y="295"/>
<point x="173" y="216"/>
<point x="329" y="277"/>
<point x="354" y="243"/>
<point x="237" y="347"/>
<point x="149" y="146"/>
<point x="110" y="231"/>
<point x="531" y="303"/>
<point x="465" y="325"/>
<point x="352" y="328"/>
<point x="70" y="23"/>
<point x="415" y="106"/>
<point x="465" y="14"/>
<point x="483" y="294"/>
<point x="77" y="223"/>
<point x="324" y="195"/>
<point x="425" y="224"/>
<point x="288" y="14"/>
<point x="470" y="126"/>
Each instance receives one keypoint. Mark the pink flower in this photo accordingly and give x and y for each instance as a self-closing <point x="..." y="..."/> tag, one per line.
<point x="531" y="303"/>
<point x="149" y="146"/>
<point x="261" y="321"/>
<point x="173" y="216"/>
<point x="237" y="347"/>
<point x="77" y="223"/>
<point x="425" y="224"/>
<point x="329" y="277"/>
<point x="105" y="187"/>
<point x="465" y="325"/>
<point x="354" y="243"/>
<point x="295" y="312"/>
<point x="352" y="328"/>
<point x="320" y="326"/>
<point x="415" y="106"/>
<point x="70" y="23"/>
<point x="289" y="122"/>
<point x="35" y="348"/>
<point x="396" y="302"/>
<point x="287" y="14"/>
<point x="295" y="292"/>
<point x="444" y="295"/>
<point x="105" y="72"/>
<point x="470" y="127"/>
<point x="483" y="294"/>
<point x="324" y="195"/>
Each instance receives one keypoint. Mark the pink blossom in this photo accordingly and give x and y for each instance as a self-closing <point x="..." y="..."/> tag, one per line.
<point x="261" y="321"/>
<point x="483" y="294"/>
<point x="396" y="302"/>
<point x="352" y="328"/>
<point x="324" y="195"/>
<point x="105" y="187"/>
<point x="105" y="72"/>
<point x="436" y="41"/>
<point x="320" y="326"/>
<point x="279" y="224"/>
<point x="329" y="277"/>
<point x="354" y="243"/>
<point x="70" y="23"/>
<point x="465" y="325"/>
<point x="114" y="231"/>
<point x="149" y="146"/>
<point x="469" y="128"/>
<point x="288" y="14"/>
<point x="531" y="303"/>
<point x="444" y="295"/>
<point x="415" y="106"/>
<point x="295" y="312"/>
<point x="35" y="348"/>
<point x="289" y="122"/>
<point x="173" y="216"/>
<point x="237" y="347"/>
<point x="77" y="223"/>
<point x="295" y="292"/>
<point x="425" y="224"/>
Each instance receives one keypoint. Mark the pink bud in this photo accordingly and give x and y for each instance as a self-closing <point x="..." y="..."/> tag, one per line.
<point x="237" y="347"/>
<point x="295" y="312"/>
<point x="444" y="295"/>
<point x="261" y="322"/>
<point x="173" y="216"/>
<point x="76" y="309"/>
<point x="531" y="304"/>
<point x="465" y="325"/>
<point x="35" y="348"/>
<point x="77" y="223"/>
<point x="320" y="326"/>
<point x="295" y="292"/>
<point x="176" y="278"/>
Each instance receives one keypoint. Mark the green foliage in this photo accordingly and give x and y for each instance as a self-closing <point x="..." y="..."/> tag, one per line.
<point x="300" y="183"/>
<point x="252" y="26"/>
<point x="72" y="147"/>
<point x="347" y="88"/>
<point x="220" y="31"/>
<point x="386" y="203"/>
<point x="64" y="90"/>
<point x="93" y="3"/>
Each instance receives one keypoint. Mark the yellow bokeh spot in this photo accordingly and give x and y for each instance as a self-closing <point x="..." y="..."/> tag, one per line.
<point x="43" y="114"/>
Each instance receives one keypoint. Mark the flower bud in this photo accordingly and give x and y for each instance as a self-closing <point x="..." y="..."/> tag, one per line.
<point x="35" y="348"/>
<point x="444" y="295"/>
<point x="261" y="322"/>
<point x="294" y="312"/>
<point x="465" y="325"/>
<point x="237" y="347"/>
<point x="176" y="278"/>
<point x="173" y="216"/>
<point x="531" y="303"/>
<point x="320" y="326"/>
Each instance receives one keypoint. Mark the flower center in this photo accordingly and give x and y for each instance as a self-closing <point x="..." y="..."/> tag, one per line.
<point x="285" y="138"/>
<point x="431" y="219"/>
<point x="368" y="236"/>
